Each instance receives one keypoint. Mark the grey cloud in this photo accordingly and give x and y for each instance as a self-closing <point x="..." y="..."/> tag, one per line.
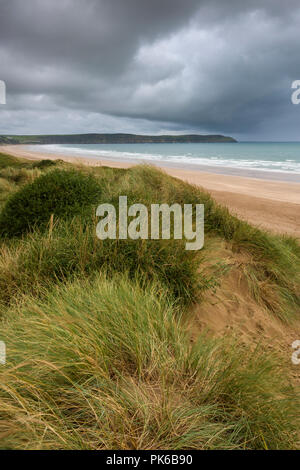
<point x="138" y="66"/>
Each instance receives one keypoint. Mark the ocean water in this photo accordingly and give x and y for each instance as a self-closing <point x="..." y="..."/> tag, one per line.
<point x="271" y="160"/>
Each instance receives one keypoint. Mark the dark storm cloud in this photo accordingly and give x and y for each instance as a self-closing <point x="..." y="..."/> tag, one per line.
<point x="150" y="66"/>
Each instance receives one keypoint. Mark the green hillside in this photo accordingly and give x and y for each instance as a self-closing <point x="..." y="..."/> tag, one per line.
<point x="111" y="139"/>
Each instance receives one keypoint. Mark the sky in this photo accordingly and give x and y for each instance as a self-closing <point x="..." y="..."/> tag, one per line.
<point x="151" y="67"/>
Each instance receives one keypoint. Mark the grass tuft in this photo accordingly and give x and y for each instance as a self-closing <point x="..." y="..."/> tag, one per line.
<point x="59" y="193"/>
<point x="99" y="354"/>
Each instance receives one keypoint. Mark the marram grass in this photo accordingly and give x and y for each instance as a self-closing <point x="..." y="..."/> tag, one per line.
<point x="69" y="248"/>
<point x="98" y="356"/>
<point x="107" y="364"/>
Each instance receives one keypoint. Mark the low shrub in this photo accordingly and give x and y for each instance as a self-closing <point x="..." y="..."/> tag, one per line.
<point x="73" y="249"/>
<point x="10" y="161"/>
<point x="20" y="176"/>
<point x="43" y="164"/>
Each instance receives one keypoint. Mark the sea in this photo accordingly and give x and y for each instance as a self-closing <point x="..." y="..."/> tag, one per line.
<point x="266" y="160"/>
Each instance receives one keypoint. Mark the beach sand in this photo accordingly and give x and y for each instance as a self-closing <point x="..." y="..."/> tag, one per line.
<point x="273" y="205"/>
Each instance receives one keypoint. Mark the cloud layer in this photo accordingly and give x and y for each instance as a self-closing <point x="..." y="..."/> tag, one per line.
<point x="160" y="66"/>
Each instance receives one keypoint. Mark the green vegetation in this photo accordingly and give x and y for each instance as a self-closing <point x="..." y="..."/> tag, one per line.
<point x="100" y="354"/>
<point x="20" y="175"/>
<point x="72" y="249"/>
<point x="59" y="193"/>
<point x="108" y="365"/>
<point x="273" y="266"/>
<point x="12" y="162"/>
<point x="42" y="164"/>
<point x="111" y="139"/>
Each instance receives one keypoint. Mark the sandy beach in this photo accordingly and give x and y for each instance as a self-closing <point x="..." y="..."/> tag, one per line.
<point x="273" y="205"/>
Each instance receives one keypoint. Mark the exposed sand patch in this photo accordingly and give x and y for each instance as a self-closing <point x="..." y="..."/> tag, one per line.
<point x="231" y="310"/>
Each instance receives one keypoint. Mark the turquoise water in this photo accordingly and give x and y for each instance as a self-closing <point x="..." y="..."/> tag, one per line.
<point x="258" y="159"/>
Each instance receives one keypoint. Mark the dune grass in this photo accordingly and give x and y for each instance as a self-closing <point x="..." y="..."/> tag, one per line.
<point x="98" y="350"/>
<point x="20" y="176"/>
<point x="107" y="364"/>
<point x="273" y="267"/>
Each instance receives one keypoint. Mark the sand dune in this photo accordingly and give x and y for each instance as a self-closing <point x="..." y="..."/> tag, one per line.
<point x="272" y="205"/>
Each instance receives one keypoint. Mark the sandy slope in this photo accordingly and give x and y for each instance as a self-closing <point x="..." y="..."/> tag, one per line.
<point x="268" y="204"/>
<point x="232" y="310"/>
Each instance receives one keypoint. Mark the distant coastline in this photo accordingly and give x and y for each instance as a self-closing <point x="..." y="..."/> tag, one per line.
<point x="118" y="138"/>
